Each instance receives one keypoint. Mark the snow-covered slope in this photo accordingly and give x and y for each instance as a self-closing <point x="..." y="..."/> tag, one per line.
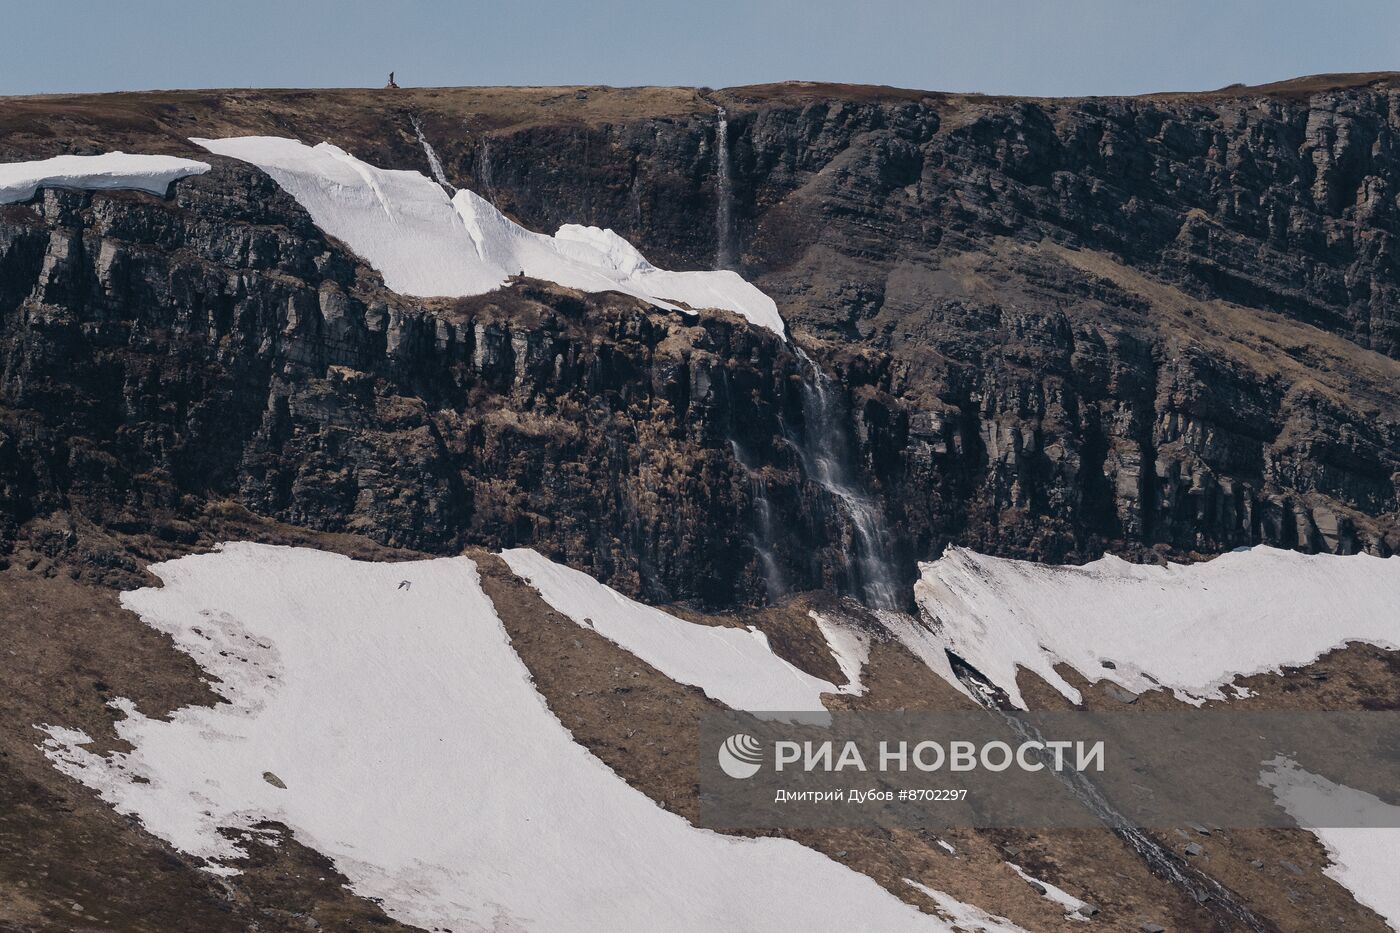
<point x="1192" y="628"/>
<point x="732" y="665"/>
<point x="850" y="647"/>
<point x="718" y="289"/>
<point x="1363" y="857"/>
<point x="401" y="222"/>
<point x="154" y="173"/>
<point x="965" y="917"/>
<point x="425" y="244"/>
<point x="1069" y="902"/>
<point x="416" y="753"/>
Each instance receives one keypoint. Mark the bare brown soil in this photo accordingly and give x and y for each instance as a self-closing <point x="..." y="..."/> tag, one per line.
<point x="1277" y="873"/>
<point x="360" y="119"/>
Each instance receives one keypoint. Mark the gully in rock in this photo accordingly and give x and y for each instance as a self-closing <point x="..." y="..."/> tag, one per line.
<point x="1203" y="889"/>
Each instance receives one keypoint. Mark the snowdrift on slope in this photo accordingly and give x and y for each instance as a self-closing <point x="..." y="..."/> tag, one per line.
<point x="1363" y="858"/>
<point x="732" y="665"/>
<point x="152" y="173"/>
<point x="1192" y="628"/>
<point x="417" y="755"/>
<point x="965" y="917"/>
<point x="425" y="244"/>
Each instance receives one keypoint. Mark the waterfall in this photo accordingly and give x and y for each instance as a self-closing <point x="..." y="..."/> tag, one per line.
<point x="824" y="448"/>
<point x="434" y="164"/>
<point x="483" y="172"/>
<point x="773" y="577"/>
<point x="724" y="224"/>
<point x="763" y="538"/>
<point x="826" y="455"/>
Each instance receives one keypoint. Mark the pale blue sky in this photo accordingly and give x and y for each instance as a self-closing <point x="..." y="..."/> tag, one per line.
<point x="1048" y="47"/>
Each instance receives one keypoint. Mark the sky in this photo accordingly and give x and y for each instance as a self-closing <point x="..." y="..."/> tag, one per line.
<point x="1029" y="47"/>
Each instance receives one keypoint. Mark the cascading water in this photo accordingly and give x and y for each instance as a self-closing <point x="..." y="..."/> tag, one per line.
<point x="724" y="222"/>
<point x="827" y="458"/>
<point x="764" y="538"/>
<point x="483" y="173"/>
<point x="434" y="163"/>
<point x="823" y="447"/>
<point x="1202" y="888"/>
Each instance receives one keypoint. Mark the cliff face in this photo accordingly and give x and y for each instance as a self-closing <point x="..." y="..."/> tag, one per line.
<point x="159" y="355"/>
<point x="1106" y="322"/>
<point x="1055" y="327"/>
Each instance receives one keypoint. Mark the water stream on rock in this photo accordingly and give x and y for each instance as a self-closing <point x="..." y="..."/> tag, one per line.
<point x="434" y="163"/>
<point x="1203" y="889"/>
<point x="724" y="223"/>
<point x="828" y="460"/>
<point x="764" y="536"/>
<point x="483" y="172"/>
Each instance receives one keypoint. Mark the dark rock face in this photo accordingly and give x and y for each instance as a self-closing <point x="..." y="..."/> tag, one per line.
<point x="1054" y="328"/>
<point x="1103" y="323"/>
<point x="161" y="355"/>
<point x="1269" y="202"/>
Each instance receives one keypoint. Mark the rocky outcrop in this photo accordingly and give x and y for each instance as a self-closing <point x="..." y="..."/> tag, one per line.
<point x="1161" y="322"/>
<point x="158" y="355"/>
<point x="1154" y="326"/>
<point x="1267" y="200"/>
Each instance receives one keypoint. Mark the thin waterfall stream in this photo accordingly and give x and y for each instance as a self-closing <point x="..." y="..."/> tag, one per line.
<point x="828" y="460"/>
<point x="1203" y="889"/>
<point x="823" y="447"/>
<point x="724" y="196"/>
<point x="483" y="172"/>
<point x="434" y="163"/>
<point x="764" y="537"/>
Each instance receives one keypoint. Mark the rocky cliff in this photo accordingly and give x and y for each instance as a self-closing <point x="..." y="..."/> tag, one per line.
<point x="1056" y="327"/>
<point x="1160" y="321"/>
<point x="161" y="355"/>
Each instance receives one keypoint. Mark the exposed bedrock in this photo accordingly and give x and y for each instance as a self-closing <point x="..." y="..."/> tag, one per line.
<point x="1080" y="324"/>
<point x="1285" y="202"/>
<point x="1054" y="328"/>
<point x="160" y="355"/>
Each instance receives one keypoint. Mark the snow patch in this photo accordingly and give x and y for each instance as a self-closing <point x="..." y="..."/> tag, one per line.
<point x="925" y="644"/>
<point x="849" y="646"/>
<point x="418" y="756"/>
<point x="1068" y="901"/>
<point x="401" y="222"/>
<point x="1192" y="628"/>
<point x="1363" y="858"/>
<point x="732" y="665"/>
<point x="20" y="181"/>
<point x="965" y="917"/>
<point x="427" y="244"/>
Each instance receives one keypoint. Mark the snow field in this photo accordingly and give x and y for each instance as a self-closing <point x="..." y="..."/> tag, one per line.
<point x="416" y="754"/>
<point x="1192" y="628"/>
<point x="426" y="244"/>
<point x="19" y="181"/>
<point x="732" y="665"/>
